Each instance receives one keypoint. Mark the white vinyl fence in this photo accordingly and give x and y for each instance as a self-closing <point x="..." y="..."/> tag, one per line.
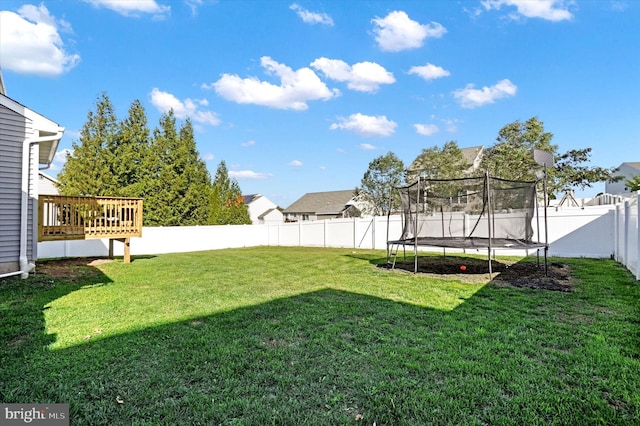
<point x="595" y="232"/>
<point x="627" y="237"/>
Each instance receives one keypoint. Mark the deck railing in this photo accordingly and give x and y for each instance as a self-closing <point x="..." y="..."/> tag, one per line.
<point x="62" y="217"/>
<point x="78" y="218"/>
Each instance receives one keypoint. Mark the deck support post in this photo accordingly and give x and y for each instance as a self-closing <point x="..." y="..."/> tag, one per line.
<point x="127" y="248"/>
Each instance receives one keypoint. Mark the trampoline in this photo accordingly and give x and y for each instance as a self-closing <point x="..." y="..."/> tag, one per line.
<point x="480" y="213"/>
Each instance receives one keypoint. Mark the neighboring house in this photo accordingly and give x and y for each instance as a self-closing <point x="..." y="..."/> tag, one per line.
<point x="472" y="156"/>
<point x="628" y="171"/>
<point x="322" y="205"/>
<point x="47" y="185"/>
<point x="27" y="140"/>
<point x="262" y="210"/>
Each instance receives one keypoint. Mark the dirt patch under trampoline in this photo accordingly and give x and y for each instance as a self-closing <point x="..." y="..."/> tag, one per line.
<point x="525" y="273"/>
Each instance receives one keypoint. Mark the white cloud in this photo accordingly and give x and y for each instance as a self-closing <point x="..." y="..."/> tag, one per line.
<point x="311" y="17"/>
<point x="31" y="42"/>
<point x="60" y="158"/>
<point x="363" y="76"/>
<point x="472" y="98"/>
<point x="619" y="6"/>
<point x="296" y="88"/>
<point x="429" y="71"/>
<point x="367" y="147"/>
<point x="165" y="101"/>
<point x="194" y="5"/>
<point x="550" y="10"/>
<point x="133" y="8"/>
<point x="248" y="143"/>
<point x="207" y="157"/>
<point x="426" y="129"/>
<point x="397" y="32"/>
<point x="248" y="174"/>
<point x="295" y="163"/>
<point x="366" y="125"/>
<point x="451" y="124"/>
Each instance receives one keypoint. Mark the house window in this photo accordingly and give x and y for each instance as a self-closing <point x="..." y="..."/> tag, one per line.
<point x="305" y="217"/>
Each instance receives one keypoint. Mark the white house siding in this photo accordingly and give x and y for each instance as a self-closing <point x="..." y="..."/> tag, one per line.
<point x="46" y="185"/>
<point x="260" y="205"/>
<point x="273" y="216"/>
<point x="628" y="170"/>
<point x="13" y="131"/>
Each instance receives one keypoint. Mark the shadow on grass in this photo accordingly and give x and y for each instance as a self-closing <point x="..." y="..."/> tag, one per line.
<point x="331" y="357"/>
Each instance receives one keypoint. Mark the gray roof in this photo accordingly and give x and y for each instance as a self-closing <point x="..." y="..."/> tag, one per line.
<point x="331" y="202"/>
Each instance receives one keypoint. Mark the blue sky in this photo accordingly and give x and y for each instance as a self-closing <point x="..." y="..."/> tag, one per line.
<point x="299" y="96"/>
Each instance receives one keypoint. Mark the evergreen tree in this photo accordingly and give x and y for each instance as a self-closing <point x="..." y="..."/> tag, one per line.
<point x="237" y="211"/>
<point x="131" y="147"/>
<point x="88" y="168"/>
<point x="158" y="194"/>
<point x="196" y="179"/>
<point x="226" y="205"/>
<point x="177" y="187"/>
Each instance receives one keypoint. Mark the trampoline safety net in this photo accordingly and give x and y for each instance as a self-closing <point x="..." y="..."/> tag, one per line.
<point x="469" y="212"/>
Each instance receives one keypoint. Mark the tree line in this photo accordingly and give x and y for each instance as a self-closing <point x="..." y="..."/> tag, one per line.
<point x="509" y="158"/>
<point x="125" y="159"/>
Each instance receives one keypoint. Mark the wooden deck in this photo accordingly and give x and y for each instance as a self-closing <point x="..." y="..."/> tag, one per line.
<point x="63" y="217"/>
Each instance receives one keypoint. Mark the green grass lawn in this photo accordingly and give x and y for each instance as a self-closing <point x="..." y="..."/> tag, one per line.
<point x="276" y="335"/>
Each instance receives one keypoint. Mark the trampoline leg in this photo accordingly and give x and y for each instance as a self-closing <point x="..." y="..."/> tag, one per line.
<point x="490" y="271"/>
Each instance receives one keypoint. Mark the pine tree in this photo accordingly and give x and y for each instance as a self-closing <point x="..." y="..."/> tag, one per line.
<point x="178" y="184"/>
<point x="238" y="213"/>
<point x="197" y="181"/>
<point x="87" y="170"/>
<point x="131" y="147"/>
<point x="226" y="205"/>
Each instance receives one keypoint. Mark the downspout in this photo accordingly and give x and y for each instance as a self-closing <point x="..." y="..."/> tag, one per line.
<point x="25" y="266"/>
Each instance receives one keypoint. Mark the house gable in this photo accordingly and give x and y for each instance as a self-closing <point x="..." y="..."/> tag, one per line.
<point x="261" y="209"/>
<point x="47" y="185"/>
<point x="39" y="127"/>
<point x="627" y="170"/>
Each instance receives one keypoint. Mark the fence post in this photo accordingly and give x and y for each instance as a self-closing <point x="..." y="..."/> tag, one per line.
<point x="625" y="248"/>
<point x="638" y="235"/>
<point x="324" y="233"/>
<point x="355" y="228"/>
<point x="373" y="232"/>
